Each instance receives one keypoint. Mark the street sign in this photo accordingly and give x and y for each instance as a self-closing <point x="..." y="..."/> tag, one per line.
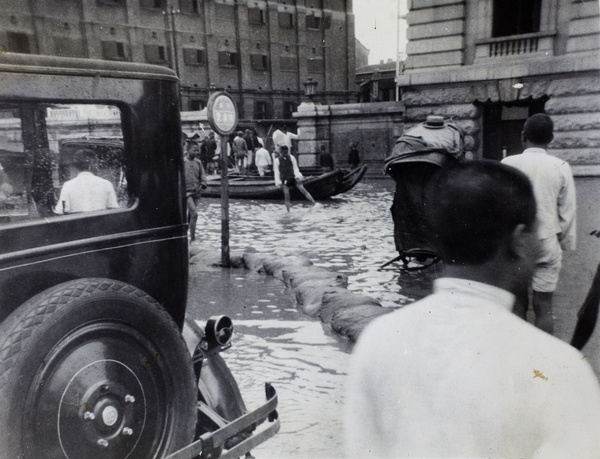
<point x="222" y="113"/>
<point x="223" y="118"/>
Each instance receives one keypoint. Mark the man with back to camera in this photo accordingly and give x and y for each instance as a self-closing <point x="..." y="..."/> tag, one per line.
<point x="86" y="192"/>
<point x="554" y="190"/>
<point x="263" y="160"/>
<point x="457" y="374"/>
<point x="240" y="152"/>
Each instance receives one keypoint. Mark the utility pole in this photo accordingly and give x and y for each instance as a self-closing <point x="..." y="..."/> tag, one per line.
<point x="170" y="18"/>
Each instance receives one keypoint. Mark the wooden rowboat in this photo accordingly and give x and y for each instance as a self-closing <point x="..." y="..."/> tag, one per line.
<point x="320" y="186"/>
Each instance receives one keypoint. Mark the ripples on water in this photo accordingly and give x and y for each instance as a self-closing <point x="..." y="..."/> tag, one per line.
<point x="351" y="234"/>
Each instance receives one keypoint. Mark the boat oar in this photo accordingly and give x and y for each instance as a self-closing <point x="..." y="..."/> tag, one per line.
<point x="588" y="314"/>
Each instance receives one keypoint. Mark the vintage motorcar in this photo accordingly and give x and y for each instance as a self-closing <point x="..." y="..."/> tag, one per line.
<point x="97" y="357"/>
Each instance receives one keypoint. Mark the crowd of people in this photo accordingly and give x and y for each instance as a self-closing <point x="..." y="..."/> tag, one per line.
<point x="249" y="153"/>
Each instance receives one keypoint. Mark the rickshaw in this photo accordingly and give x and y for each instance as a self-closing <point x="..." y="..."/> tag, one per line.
<point x="417" y="155"/>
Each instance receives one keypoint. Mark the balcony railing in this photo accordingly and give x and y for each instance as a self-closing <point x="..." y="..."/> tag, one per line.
<point x="516" y="45"/>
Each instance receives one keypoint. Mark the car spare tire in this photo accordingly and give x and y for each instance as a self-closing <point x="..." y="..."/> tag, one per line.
<point x="94" y="368"/>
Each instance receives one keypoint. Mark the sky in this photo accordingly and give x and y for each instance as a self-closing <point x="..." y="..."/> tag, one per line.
<point x="376" y="27"/>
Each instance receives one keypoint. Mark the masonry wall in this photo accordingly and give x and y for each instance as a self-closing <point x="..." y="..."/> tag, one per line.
<point x="573" y="103"/>
<point x="373" y="126"/>
<point x="436" y="33"/>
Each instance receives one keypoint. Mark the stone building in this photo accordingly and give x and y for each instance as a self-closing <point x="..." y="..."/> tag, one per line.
<point x="377" y="82"/>
<point x="489" y="64"/>
<point x="260" y="51"/>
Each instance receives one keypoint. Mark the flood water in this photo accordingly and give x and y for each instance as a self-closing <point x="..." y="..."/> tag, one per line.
<point x="275" y="342"/>
<point x="304" y="360"/>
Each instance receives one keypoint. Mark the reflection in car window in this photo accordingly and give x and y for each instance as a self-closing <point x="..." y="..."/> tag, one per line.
<point x="41" y="148"/>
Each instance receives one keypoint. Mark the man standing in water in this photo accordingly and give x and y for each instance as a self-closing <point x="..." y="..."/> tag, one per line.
<point x="554" y="190"/>
<point x="195" y="182"/>
<point x="288" y="175"/>
<point x="457" y="374"/>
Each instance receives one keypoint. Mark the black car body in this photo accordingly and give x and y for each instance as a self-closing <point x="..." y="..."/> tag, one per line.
<point x="93" y="302"/>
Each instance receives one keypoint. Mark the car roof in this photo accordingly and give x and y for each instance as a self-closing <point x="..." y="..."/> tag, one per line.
<point x="33" y="63"/>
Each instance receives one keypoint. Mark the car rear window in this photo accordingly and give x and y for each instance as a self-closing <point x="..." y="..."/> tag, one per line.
<point x="44" y="149"/>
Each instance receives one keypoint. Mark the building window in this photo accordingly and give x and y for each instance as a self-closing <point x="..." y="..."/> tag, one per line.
<point x="256" y="16"/>
<point x="196" y="105"/>
<point x="288" y="109"/>
<point x="111" y="2"/>
<point x="69" y="47"/>
<point x="286" y="20"/>
<point x="18" y="42"/>
<point x="227" y="59"/>
<point x="190" y="6"/>
<point x="262" y="110"/>
<point x="288" y="63"/>
<point x="224" y="11"/>
<point x="315" y="65"/>
<point x="193" y="56"/>
<point x="259" y="62"/>
<point x="313" y="22"/>
<point x="516" y="17"/>
<point x="113" y="50"/>
<point x="155" y="54"/>
<point x="154" y="4"/>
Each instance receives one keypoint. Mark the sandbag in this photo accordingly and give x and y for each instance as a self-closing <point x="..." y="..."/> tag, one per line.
<point x="336" y="300"/>
<point x="253" y="262"/>
<point x="350" y="322"/>
<point x="309" y="296"/>
<point x="273" y="266"/>
<point x="236" y="261"/>
<point x="318" y="274"/>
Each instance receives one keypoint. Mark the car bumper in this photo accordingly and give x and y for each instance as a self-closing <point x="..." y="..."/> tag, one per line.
<point x="263" y="422"/>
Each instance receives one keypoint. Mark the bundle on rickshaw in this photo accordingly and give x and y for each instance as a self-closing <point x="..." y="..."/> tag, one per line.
<point x="417" y="155"/>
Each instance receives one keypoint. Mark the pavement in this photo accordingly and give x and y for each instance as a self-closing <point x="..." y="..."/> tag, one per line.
<point x="579" y="267"/>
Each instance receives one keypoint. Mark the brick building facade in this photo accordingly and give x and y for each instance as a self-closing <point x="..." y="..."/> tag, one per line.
<point x="259" y="51"/>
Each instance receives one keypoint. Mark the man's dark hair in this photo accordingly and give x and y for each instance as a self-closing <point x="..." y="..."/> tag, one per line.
<point x="188" y="148"/>
<point x="82" y="159"/>
<point x="539" y="129"/>
<point x="472" y="206"/>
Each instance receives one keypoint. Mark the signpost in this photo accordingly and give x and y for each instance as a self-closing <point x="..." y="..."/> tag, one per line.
<point x="223" y="118"/>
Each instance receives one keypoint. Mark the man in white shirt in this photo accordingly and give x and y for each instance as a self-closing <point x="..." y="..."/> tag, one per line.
<point x="282" y="137"/>
<point x="554" y="190"/>
<point x="263" y="160"/>
<point x="86" y="192"/>
<point x="457" y="374"/>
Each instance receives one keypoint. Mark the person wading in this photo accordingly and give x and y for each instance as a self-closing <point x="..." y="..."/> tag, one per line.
<point x="288" y="175"/>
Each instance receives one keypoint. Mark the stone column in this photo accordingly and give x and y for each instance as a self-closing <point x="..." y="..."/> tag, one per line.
<point x="308" y="149"/>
